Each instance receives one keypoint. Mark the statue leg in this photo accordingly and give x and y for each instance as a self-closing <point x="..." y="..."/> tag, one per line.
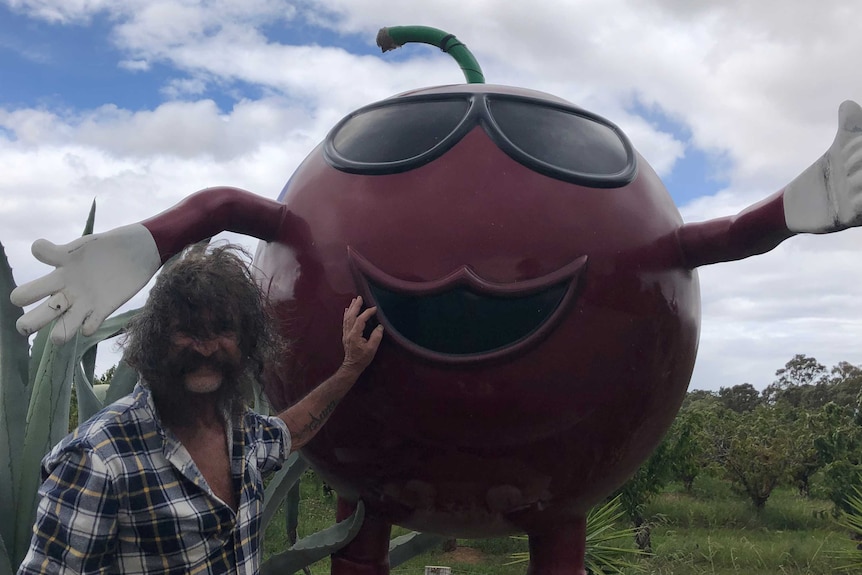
<point x="558" y="549"/>
<point x="368" y="553"/>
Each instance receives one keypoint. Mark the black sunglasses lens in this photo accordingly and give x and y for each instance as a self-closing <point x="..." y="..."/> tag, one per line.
<point x="564" y="139"/>
<point x="397" y="132"/>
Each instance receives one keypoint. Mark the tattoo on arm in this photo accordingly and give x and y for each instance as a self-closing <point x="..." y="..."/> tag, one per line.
<point x="317" y="420"/>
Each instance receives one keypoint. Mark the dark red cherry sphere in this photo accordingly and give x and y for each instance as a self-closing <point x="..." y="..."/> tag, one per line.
<point x="540" y="324"/>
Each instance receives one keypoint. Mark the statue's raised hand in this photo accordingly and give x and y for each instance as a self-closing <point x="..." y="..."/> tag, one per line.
<point x="827" y="197"/>
<point x="94" y="276"/>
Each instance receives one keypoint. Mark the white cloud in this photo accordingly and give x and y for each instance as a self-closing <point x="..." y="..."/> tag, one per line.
<point x="182" y="129"/>
<point x="660" y="149"/>
<point x="62" y="12"/>
<point x="803" y="297"/>
<point x="134" y="65"/>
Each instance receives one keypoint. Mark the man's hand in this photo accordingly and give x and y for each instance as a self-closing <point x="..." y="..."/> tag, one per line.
<point x="827" y="197"/>
<point x="358" y="351"/>
<point x="305" y="418"/>
<point x="94" y="276"/>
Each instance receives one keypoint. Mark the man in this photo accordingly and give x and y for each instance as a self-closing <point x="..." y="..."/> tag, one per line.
<point x="169" y="479"/>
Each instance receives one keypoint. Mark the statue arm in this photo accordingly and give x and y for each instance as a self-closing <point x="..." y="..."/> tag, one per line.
<point x="211" y="211"/>
<point x="96" y="274"/>
<point x="755" y="230"/>
<point x="825" y="198"/>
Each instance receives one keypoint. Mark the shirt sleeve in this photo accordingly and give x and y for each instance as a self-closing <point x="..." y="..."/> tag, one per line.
<point x="273" y="443"/>
<point x="76" y="520"/>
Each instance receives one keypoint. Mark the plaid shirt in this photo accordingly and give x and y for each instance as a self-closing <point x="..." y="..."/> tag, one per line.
<point x="122" y="495"/>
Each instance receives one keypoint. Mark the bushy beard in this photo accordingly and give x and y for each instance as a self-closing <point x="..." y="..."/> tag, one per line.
<point x="177" y="406"/>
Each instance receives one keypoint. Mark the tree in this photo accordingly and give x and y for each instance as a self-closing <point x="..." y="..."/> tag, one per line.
<point x="841" y="448"/>
<point x="740" y="398"/>
<point x="753" y="449"/>
<point x="686" y="445"/>
<point x="801" y="378"/>
<point x="840" y="478"/>
<point x="809" y="433"/>
<point x="845" y="385"/>
<point x="105" y="378"/>
<point x="845" y="371"/>
<point x="698" y="397"/>
<point x="801" y="370"/>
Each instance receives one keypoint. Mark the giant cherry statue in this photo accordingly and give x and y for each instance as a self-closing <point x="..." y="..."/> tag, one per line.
<point x="537" y="286"/>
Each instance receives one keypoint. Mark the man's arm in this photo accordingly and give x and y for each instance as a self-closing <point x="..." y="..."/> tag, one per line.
<point x="305" y="418"/>
<point x="76" y="521"/>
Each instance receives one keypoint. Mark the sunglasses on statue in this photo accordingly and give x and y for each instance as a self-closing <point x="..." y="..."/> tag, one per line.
<point x="555" y="139"/>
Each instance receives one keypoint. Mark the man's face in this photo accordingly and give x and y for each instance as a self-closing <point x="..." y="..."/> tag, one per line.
<point x="203" y="363"/>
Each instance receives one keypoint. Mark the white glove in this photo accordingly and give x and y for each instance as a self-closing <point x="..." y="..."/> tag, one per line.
<point x="827" y="197"/>
<point x="95" y="275"/>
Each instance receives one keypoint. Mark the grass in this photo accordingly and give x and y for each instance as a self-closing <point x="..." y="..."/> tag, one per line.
<point x="711" y="531"/>
<point x="698" y="550"/>
<point x="714" y="531"/>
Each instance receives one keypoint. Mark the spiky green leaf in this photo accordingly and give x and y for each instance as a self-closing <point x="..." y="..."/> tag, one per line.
<point x="280" y="484"/>
<point x="291" y="512"/>
<point x="14" y="399"/>
<point x="88" y="364"/>
<point x="122" y="383"/>
<point x="37" y="352"/>
<point x="315" y="547"/>
<point x="408" y="546"/>
<point x="88" y="402"/>
<point x="88" y="359"/>
<point x="5" y="559"/>
<point x="47" y="423"/>
<point x="91" y="220"/>
<point x="111" y="327"/>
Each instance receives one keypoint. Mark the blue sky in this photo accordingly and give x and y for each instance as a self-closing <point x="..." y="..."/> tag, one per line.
<point x="698" y="173"/>
<point x="141" y="102"/>
<point x="65" y="65"/>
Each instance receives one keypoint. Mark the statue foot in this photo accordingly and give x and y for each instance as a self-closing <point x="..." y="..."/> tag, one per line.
<point x="368" y="553"/>
<point x="558" y="550"/>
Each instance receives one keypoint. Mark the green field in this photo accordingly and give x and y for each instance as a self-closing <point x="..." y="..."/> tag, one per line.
<point x="708" y="531"/>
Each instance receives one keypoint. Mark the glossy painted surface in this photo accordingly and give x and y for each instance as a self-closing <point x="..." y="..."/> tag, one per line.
<point x="514" y="434"/>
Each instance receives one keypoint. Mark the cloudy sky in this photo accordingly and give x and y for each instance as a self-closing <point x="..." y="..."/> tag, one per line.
<point x="137" y="103"/>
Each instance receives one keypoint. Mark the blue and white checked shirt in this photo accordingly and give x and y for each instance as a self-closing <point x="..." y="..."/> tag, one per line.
<point x="122" y="495"/>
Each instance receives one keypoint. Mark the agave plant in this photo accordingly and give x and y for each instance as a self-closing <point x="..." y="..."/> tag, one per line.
<point x="851" y="519"/>
<point x="603" y="554"/>
<point x="35" y="395"/>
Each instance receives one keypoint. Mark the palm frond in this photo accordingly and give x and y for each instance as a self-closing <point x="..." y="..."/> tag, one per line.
<point x="852" y="521"/>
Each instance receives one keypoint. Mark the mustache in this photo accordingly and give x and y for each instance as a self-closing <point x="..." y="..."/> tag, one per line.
<point x="177" y="406"/>
<point x="189" y="360"/>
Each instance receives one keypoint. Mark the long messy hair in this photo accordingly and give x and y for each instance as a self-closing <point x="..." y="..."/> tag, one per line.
<point x="205" y="291"/>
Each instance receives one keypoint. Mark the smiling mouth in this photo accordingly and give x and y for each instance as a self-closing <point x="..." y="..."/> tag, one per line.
<point x="462" y="317"/>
